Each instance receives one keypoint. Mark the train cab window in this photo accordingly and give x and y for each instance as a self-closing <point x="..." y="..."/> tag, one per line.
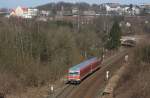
<point x="73" y="73"/>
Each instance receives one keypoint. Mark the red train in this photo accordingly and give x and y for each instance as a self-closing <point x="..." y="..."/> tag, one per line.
<point x="77" y="73"/>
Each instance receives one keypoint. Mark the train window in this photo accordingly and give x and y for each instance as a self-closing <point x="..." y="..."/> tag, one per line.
<point x="73" y="73"/>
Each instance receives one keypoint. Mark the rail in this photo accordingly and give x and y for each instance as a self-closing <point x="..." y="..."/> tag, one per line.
<point x="62" y="94"/>
<point x="69" y="88"/>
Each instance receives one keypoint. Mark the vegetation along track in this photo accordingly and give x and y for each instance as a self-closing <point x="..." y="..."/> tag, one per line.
<point x="89" y="87"/>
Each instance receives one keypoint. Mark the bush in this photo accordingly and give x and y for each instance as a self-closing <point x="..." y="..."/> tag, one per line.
<point x="114" y="37"/>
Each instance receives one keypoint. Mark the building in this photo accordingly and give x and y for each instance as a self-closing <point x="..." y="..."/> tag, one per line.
<point x="32" y="12"/>
<point x="24" y="12"/>
<point x="117" y="9"/>
<point x="111" y="6"/>
<point x="75" y="11"/>
<point x="89" y="13"/>
<point x="146" y="8"/>
<point x="114" y="8"/>
<point x="147" y="11"/>
<point x="4" y="12"/>
<point x="45" y="13"/>
<point x="19" y="11"/>
<point x="136" y="10"/>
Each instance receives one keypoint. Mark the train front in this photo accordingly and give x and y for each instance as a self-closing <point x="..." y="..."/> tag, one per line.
<point x="74" y="76"/>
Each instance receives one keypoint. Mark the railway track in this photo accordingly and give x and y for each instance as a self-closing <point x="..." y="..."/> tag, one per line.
<point x="90" y="86"/>
<point x="68" y="88"/>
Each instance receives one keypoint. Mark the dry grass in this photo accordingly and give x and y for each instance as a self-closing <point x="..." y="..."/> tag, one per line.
<point x="136" y="82"/>
<point x="9" y="84"/>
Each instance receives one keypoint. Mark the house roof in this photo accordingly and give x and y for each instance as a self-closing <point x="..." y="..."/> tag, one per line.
<point x="12" y="10"/>
<point x="25" y="9"/>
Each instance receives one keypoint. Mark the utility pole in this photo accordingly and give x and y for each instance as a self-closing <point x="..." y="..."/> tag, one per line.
<point x="78" y="18"/>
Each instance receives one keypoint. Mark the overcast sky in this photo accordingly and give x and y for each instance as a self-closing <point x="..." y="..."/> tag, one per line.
<point x="32" y="3"/>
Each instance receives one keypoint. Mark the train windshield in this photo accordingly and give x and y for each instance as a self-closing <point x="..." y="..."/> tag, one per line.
<point x="73" y="73"/>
